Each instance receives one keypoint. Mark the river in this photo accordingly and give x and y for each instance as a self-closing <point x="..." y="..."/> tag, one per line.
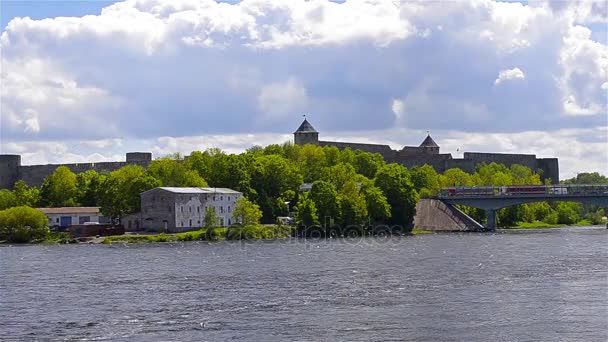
<point x="523" y="285"/>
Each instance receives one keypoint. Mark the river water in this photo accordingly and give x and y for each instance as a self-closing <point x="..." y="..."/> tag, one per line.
<point x="532" y="285"/>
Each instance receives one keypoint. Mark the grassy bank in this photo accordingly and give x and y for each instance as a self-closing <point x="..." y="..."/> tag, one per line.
<point x="541" y="224"/>
<point x="255" y="232"/>
<point x="419" y="231"/>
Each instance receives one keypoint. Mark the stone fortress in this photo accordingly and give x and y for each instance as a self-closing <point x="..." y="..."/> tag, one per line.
<point x="12" y="171"/>
<point x="428" y="153"/>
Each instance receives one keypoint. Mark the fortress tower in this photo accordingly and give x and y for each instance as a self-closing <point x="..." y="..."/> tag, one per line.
<point x="429" y="145"/>
<point x="9" y="170"/>
<point x="305" y="134"/>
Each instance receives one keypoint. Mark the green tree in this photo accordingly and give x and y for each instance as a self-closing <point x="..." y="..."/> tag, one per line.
<point x="246" y="212"/>
<point x="172" y="171"/>
<point x="26" y="196"/>
<point x="273" y="177"/>
<point x="425" y="180"/>
<point x="325" y="197"/>
<point x="7" y="199"/>
<point x="378" y="208"/>
<point x="395" y="183"/>
<point x="211" y="220"/>
<point x="120" y="191"/>
<point x="60" y="189"/>
<point x="312" y="162"/>
<point x="568" y="212"/>
<point x="352" y="205"/>
<point x="306" y="212"/>
<point x="339" y="174"/>
<point x="22" y="224"/>
<point x="456" y="177"/>
<point x="88" y="184"/>
<point x="332" y="155"/>
<point x="587" y="178"/>
<point x="367" y="163"/>
<point x="522" y="175"/>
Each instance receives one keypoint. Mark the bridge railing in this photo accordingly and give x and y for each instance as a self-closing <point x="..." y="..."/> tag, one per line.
<point x="525" y="190"/>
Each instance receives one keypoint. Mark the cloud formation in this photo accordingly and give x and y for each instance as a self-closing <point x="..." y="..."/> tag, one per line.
<point x="510" y="74"/>
<point x="145" y="69"/>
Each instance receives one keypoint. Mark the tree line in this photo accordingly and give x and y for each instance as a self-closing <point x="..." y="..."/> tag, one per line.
<point x="346" y="187"/>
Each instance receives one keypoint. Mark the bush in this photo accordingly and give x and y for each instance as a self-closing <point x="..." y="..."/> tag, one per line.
<point x="22" y="224"/>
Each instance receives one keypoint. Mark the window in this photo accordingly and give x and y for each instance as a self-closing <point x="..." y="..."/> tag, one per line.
<point x="190" y="209"/>
<point x="182" y="208"/>
<point x="228" y="198"/>
<point x="199" y="222"/>
<point x="228" y="208"/>
<point x="182" y="223"/>
<point x="57" y="220"/>
<point x="198" y="209"/>
<point x="214" y="198"/>
<point x="222" y="210"/>
<point x="221" y="198"/>
<point x="190" y="223"/>
<point x="169" y="207"/>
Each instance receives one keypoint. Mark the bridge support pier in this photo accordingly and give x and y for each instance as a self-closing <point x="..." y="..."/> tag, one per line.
<point x="491" y="225"/>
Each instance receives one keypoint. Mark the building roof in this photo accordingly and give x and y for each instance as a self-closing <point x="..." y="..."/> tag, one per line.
<point x="185" y="190"/>
<point x="306" y="127"/>
<point x="70" y="210"/>
<point x="429" y="142"/>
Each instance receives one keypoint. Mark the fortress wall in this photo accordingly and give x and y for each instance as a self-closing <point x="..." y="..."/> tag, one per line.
<point x="384" y="150"/>
<point x="34" y="175"/>
<point x="466" y="165"/>
<point x="9" y="170"/>
<point x="550" y="167"/>
<point x="374" y="148"/>
<point x="411" y="151"/>
<point x="528" y="160"/>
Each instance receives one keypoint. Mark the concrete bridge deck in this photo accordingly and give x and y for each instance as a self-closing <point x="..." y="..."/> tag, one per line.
<point x="492" y="198"/>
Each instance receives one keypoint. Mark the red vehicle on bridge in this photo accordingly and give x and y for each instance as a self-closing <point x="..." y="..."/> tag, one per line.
<point x="524" y="190"/>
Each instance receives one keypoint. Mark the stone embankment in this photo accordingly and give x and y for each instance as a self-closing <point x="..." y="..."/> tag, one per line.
<point x="435" y="215"/>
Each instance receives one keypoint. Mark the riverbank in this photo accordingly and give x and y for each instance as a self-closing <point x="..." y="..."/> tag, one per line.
<point x="254" y="232"/>
<point x="545" y="225"/>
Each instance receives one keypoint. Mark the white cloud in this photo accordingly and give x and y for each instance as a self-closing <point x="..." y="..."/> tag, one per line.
<point x="510" y="74"/>
<point x="398" y="108"/>
<point x="281" y="99"/>
<point x="145" y="69"/>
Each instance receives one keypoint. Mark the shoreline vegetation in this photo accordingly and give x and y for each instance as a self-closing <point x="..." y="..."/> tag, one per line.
<point x="246" y="233"/>
<point x="316" y="186"/>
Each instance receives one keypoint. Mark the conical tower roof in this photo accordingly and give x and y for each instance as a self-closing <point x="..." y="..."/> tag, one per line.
<point x="429" y="142"/>
<point x="306" y="127"/>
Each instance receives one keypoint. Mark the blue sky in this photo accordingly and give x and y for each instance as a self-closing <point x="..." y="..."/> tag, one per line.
<point x="10" y="9"/>
<point x="175" y="76"/>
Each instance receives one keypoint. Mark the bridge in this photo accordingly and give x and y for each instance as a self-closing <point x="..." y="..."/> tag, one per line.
<point x="492" y="198"/>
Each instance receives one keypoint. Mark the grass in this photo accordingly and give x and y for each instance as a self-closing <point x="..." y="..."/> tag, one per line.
<point x="257" y="232"/>
<point x="54" y="238"/>
<point x="536" y="224"/>
<point x="419" y="231"/>
<point x="541" y="224"/>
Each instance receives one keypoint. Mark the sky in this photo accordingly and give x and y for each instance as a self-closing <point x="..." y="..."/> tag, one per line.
<point x="91" y="80"/>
